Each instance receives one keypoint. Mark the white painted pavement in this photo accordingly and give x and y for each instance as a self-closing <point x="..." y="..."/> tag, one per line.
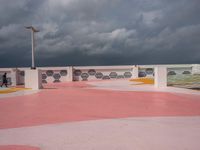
<point x="126" y="85"/>
<point x="156" y="133"/>
<point x="18" y="93"/>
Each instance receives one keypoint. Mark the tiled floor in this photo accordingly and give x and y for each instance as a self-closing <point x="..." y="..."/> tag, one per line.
<point x="91" y="116"/>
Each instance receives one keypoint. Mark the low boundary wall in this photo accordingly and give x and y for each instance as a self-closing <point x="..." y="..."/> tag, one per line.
<point x="88" y="73"/>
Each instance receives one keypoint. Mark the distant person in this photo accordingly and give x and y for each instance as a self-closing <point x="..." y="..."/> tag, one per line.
<point x="5" y="82"/>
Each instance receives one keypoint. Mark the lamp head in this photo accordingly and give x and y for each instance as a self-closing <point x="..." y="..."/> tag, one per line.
<point x="32" y="28"/>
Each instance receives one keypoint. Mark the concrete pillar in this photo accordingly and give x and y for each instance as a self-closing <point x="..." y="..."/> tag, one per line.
<point x="13" y="76"/>
<point x="70" y="73"/>
<point x="33" y="79"/>
<point x="135" y="72"/>
<point x="160" y="77"/>
<point x="196" y="69"/>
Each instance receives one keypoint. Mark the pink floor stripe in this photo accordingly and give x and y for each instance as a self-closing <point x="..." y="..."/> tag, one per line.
<point x="72" y="102"/>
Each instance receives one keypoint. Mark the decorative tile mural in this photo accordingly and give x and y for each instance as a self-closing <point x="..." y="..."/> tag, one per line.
<point x="127" y="74"/>
<point x="113" y="75"/>
<point x="49" y="73"/>
<point x="106" y="77"/>
<point x="44" y="76"/>
<point x="146" y="72"/>
<point x="56" y="76"/>
<point x="77" y="72"/>
<point x="120" y="77"/>
<point x="92" y="72"/>
<point x="99" y="75"/>
<point x="53" y="76"/>
<point x="63" y="72"/>
<point x="95" y="74"/>
<point x="149" y="71"/>
<point x="44" y="81"/>
<point x="84" y="76"/>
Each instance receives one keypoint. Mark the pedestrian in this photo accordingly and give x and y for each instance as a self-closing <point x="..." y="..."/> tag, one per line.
<point x="5" y="82"/>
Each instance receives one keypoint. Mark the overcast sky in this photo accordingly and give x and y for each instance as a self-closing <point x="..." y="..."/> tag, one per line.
<point x="100" y="32"/>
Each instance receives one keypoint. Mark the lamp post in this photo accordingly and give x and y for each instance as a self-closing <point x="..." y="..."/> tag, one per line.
<point x="33" y="30"/>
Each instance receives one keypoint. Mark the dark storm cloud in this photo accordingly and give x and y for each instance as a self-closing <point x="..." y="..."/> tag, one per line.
<point x="106" y="32"/>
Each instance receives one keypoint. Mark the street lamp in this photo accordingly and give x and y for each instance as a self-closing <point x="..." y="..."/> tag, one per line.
<point x="33" y="30"/>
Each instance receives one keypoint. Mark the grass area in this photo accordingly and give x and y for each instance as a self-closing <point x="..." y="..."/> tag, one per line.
<point x="183" y="80"/>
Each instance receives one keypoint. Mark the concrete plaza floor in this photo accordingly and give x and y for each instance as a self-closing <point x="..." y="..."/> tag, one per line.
<point x="111" y="115"/>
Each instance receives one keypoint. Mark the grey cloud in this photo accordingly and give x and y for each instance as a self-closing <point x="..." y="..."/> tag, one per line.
<point x="106" y="32"/>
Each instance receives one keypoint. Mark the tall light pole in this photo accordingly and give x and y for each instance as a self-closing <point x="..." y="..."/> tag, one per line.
<point x="33" y="30"/>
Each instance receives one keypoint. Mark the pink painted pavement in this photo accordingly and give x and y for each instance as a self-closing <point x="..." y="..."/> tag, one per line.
<point x="71" y="102"/>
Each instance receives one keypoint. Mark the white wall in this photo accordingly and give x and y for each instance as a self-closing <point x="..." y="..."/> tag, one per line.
<point x="33" y="79"/>
<point x="196" y="69"/>
<point x="79" y="73"/>
<point x="160" y="76"/>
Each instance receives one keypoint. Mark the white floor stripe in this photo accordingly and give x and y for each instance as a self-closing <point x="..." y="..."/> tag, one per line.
<point x="156" y="133"/>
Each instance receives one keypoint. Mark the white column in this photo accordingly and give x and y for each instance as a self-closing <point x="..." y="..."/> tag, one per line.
<point x="196" y="69"/>
<point x="135" y="72"/>
<point x="33" y="79"/>
<point x="160" y="77"/>
<point x="70" y="73"/>
<point x="13" y="75"/>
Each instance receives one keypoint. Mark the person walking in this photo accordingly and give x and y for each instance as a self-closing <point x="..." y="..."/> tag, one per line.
<point x="5" y="82"/>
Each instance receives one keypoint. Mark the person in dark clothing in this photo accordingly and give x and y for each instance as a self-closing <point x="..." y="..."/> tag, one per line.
<point x="5" y="82"/>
